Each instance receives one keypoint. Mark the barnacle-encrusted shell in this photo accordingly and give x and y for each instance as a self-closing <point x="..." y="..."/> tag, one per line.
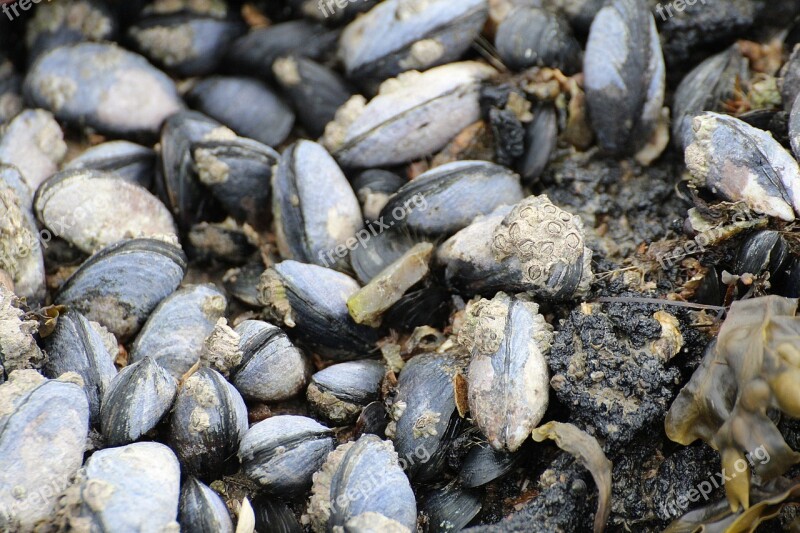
<point x="18" y="349"/>
<point x="34" y="143"/>
<point x="43" y="428"/>
<point x="508" y="377"/>
<point x="339" y="392"/>
<point x="742" y="163"/>
<point x="360" y="478"/>
<point x="546" y="243"/>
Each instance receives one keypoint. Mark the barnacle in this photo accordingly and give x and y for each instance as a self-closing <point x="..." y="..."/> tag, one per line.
<point x="753" y="365"/>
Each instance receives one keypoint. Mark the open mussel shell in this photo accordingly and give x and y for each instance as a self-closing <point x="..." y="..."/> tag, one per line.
<point x="316" y="211"/>
<point x="245" y="105"/>
<point x="58" y="24"/>
<point x="424" y="413"/>
<point x="33" y="143"/>
<point x="120" y="285"/>
<point x="274" y="516"/>
<point x="272" y="368"/>
<point x="425" y="205"/>
<point x="484" y="464"/>
<point x="282" y="452"/>
<point x="316" y="92"/>
<point x="508" y="380"/>
<point x="258" y="49"/>
<point x="705" y="88"/>
<point x="208" y="420"/>
<point x="20" y="247"/>
<point x="138" y="485"/>
<point x="311" y="301"/>
<point x="396" y="127"/>
<point x="178" y="184"/>
<point x="624" y="76"/>
<point x="449" y="508"/>
<point x="238" y="173"/>
<point x="534" y="37"/>
<point x="136" y="400"/>
<point x="400" y="35"/>
<point x="102" y="86"/>
<point x="43" y="430"/>
<point x="374" y="188"/>
<point x="202" y="510"/>
<point x="82" y="206"/>
<point x="339" y="392"/>
<point x="184" y="43"/>
<point x="361" y="487"/>
<point x="132" y="162"/>
<point x="76" y="345"/>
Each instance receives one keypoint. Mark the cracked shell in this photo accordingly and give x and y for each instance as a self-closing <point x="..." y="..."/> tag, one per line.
<point x="396" y="125"/>
<point x="136" y="400"/>
<point x="43" y="429"/>
<point x="508" y="378"/>
<point x="208" y="420"/>
<point x="102" y="86"/>
<point x="400" y="35"/>
<point x="282" y="452"/>
<point x="120" y="285"/>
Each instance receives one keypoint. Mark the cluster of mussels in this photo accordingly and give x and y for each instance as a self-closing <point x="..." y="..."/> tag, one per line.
<point x="303" y="265"/>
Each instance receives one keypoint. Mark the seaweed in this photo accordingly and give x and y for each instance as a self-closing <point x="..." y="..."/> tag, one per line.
<point x="753" y="366"/>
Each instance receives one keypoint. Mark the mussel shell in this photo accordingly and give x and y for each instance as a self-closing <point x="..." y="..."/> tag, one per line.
<point x="186" y="44"/>
<point x="763" y="251"/>
<point x="427" y="421"/>
<point x="242" y="283"/>
<point x="238" y="172"/>
<point x="76" y="346"/>
<point x="77" y="206"/>
<point x="272" y="368"/>
<point x="531" y="36"/>
<point x="140" y="488"/>
<point x="316" y="92"/>
<point x="704" y="89"/>
<point x="274" y="516"/>
<point x="21" y="255"/>
<point x="369" y="258"/>
<point x="508" y="379"/>
<point x="334" y="15"/>
<point x="449" y="508"/>
<point x="43" y="432"/>
<point x="426" y="304"/>
<point x="208" y="420"/>
<point x="10" y="92"/>
<point x="374" y="188"/>
<point x="202" y="510"/>
<point x="132" y="162"/>
<point x="58" y="24"/>
<point x="178" y="184"/>
<point x="34" y="143"/>
<point x="104" y="87"/>
<point x="136" y="400"/>
<point x="362" y="480"/>
<point x="339" y="392"/>
<point x="220" y="242"/>
<point x="120" y="285"/>
<point x="428" y="202"/>
<point x="541" y="138"/>
<point x="790" y="79"/>
<point x="282" y="452"/>
<point x="484" y="464"/>
<point x="794" y="126"/>
<point x="258" y="49"/>
<point x="312" y="301"/>
<point x="400" y="35"/>
<point x="316" y="211"/>
<point x="624" y="76"/>
<point x="396" y="126"/>
<point x="245" y="105"/>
